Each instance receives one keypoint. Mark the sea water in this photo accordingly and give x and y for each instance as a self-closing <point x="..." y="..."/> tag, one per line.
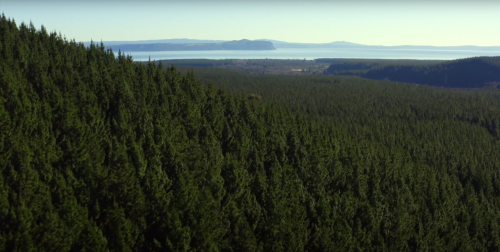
<point x="315" y="53"/>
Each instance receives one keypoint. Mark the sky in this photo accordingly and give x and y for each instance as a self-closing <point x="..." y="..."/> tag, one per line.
<point x="389" y="22"/>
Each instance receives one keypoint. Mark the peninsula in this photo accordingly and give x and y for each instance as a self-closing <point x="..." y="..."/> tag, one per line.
<point x="243" y="44"/>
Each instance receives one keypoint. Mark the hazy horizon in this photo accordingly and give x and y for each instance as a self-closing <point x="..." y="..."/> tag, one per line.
<point x="291" y="42"/>
<point x="387" y="23"/>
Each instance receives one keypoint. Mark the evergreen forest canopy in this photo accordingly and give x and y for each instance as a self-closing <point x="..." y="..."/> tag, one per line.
<point x="475" y="72"/>
<point x="98" y="153"/>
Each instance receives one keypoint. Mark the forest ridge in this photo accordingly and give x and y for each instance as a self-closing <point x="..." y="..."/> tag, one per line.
<point x="474" y="72"/>
<point x="101" y="153"/>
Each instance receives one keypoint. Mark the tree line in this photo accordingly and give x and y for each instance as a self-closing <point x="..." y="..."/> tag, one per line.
<point x="476" y="72"/>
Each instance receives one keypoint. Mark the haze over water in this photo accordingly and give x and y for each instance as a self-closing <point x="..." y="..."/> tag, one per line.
<point x="315" y="53"/>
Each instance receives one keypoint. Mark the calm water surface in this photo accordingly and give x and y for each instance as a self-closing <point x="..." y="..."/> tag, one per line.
<point x="315" y="53"/>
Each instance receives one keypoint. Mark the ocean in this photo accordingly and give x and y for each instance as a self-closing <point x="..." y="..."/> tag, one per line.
<point x="315" y="53"/>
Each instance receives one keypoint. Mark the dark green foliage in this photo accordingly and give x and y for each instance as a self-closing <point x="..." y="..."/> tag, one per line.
<point x="358" y="67"/>
<point x="388" y="166"/>
<point x="475" y="72"/>
<point x="98" y="153"/>
<point x="378" y="61"/>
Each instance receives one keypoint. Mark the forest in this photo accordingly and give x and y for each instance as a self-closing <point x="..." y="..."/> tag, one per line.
<point x="101" y="153"/>
<point x="477" y="72"/>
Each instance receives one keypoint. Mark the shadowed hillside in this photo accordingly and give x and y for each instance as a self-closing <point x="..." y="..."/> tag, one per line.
<point x="475" y="72"/>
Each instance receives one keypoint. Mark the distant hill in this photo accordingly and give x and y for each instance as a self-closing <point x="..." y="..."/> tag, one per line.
<point x="283" y="44"/>
<point x="345" y="44"/>
<point x="156" y="41"/>
<point x="335" y="44"/>
<point x="474" y="72"/>
<point x="244" y="44"/>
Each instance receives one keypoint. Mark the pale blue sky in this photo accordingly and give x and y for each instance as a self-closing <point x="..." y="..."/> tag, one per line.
<point x="404" y="22"/>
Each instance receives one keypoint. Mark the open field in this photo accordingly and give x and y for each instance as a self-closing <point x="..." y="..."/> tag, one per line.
<point x="258" y="66"/>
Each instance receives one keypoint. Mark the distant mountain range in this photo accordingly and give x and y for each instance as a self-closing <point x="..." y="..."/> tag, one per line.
<point x="203" y="45"/>
<point x="195" y="44"/>
<point x="158" y="41"/>
<point x="344" y="44"/>
<point x="283" y="44"/>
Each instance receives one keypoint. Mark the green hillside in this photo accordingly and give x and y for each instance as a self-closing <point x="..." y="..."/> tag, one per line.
<point x="475" y="72"/>
<point x="98" y="153"/>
